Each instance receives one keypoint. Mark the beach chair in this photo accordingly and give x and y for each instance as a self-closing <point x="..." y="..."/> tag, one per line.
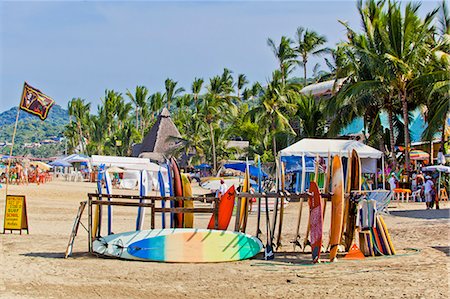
<point x="382" y="197"/>
<point x="416" y="196"/>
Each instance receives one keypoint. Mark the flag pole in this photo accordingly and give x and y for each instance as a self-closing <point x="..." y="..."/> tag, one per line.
<point x="11" y="150"/>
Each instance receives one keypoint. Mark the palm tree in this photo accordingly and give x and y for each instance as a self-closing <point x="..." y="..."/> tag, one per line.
<point x="171" y="91"/>
<point x="308" y="43"/>
<point x="273" y="105"/>
<point x="213" y="106"/>
<point x="196" y="88"/>
<point x="156" y="102"/>
<point x="241" y="82"/>
<point x="284" y="54"/>
<point x="139" y="99"/>
<point x="311" y="115"/>
<point x="80" y="111"/>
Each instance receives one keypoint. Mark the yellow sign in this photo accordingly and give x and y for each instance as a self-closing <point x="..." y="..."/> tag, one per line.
<point x="15" y="213"/>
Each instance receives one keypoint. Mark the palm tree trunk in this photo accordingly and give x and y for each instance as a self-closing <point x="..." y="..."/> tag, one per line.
<point x="392" y="137"/>
<point x="406" y="125"/>
<point x="304" y="73"/>
<point x="81" y="137"/>
<point x="137" y="118"/>
<point x="211" y="131"/>
<point x="443" y="137"/>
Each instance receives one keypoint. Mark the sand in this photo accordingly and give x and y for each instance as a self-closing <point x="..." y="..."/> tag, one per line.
<point x="33" y="266"/>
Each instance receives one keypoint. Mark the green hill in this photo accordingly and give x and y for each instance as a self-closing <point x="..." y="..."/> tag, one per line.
<point x="32" y="131"/>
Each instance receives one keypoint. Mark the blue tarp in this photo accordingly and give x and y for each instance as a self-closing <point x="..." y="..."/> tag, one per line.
<point x="254" y="171"/>
<point x="202" y="166"/>
<point x="294" y="163"/>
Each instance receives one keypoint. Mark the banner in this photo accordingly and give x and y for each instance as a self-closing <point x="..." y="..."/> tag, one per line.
<point x="35" y="102"/>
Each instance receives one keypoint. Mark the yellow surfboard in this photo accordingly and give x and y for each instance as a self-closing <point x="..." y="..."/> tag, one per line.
<point x="187" y="192"/>
<point x="243" y="215"/>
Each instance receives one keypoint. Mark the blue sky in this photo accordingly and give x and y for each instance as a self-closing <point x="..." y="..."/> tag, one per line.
<point x="80" y="48"/>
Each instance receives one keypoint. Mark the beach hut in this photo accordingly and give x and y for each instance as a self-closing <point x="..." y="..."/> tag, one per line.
<point x="305" y="150"/>
<point x="160" y="141"/>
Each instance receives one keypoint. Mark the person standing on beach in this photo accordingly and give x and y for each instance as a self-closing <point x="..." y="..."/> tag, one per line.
<point x="393" y="181"/>
<point x="428" y="186"/>
<point x="222" y="189"/>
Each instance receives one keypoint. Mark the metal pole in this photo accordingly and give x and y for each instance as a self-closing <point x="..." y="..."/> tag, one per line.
<point x="11" y="150"/>
<point x="303" y="173"/>
<point x="382" y="171"/>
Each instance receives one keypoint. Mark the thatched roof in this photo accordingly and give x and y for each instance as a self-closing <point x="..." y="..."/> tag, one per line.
<point x="161" y="139"/>
<point x="325" y="88"/>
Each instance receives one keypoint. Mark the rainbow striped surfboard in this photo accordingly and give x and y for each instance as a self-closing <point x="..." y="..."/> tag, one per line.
<point x="179" y="245"/>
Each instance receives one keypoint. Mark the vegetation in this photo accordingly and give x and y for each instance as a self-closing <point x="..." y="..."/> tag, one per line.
<point x="397" y="62"/>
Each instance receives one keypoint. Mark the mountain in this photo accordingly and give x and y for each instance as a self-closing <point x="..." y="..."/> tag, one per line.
<point x="32" y="132"/>
<point x="56" y="116"/>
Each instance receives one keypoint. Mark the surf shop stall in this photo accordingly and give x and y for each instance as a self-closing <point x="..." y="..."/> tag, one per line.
<point x="301" y="156"/>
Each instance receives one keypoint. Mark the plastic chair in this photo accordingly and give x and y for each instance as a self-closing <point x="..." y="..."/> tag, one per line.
<point x="416" y="196"/>
<point x="443" y="194"/>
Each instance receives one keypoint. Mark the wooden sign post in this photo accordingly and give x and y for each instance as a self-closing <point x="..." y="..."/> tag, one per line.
<point x="15" y="213"/>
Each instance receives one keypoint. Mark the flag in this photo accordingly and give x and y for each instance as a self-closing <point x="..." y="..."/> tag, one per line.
<point x="35" y="102"/>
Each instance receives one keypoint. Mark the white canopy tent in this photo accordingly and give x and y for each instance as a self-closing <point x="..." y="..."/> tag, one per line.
<point x="309" y="147"/>
<point x="130" y="165"/>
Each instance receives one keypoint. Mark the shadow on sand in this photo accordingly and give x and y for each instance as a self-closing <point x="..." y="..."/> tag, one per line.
<point x="56" y="255"/>
<point x="444" y="249"/>
<point x="423" y="214"/>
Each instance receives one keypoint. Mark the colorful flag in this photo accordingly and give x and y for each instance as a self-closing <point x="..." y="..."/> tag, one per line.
<point x="35" y="102"/>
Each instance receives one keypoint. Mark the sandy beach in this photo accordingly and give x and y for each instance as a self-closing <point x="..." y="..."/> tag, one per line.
<point x="33" y="266"/>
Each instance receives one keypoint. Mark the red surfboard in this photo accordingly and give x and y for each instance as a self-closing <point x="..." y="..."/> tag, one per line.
<point x="226" y="206"/>
<point x="178" y="191"/>
<point x="315" y="220"/>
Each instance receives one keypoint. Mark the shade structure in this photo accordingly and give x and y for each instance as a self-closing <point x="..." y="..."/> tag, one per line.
<point x="440" y="168"/>
<point x="419" y="155"/>
<point x="310" y="147"/>
<point x="41" y="165"/>
<point x="127" y="163"/>
<point x="115" y="169"/>
<point x="60" y="163"/>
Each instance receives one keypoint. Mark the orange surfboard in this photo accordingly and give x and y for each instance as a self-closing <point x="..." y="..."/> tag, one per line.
<point x="315" y="220"/>
<point x="226" y="206"/>
<point x="337" y="206"/>
<point x="178" y="191"/>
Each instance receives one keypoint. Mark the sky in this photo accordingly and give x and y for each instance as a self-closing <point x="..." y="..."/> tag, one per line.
<point x="71" y="49"/>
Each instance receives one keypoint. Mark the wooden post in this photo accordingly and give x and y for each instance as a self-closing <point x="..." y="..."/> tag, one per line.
<point x="11" y="150"/>
<point x="216" y="213"/>
<point x="238" y="214"/>
<point x="152" y="215"/>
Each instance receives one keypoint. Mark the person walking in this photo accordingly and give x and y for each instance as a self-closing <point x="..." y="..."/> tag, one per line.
<point x="428" y="188"/>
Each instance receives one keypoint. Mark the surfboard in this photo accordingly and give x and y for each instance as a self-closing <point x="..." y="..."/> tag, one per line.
<point x="162" y="192"/>
<point x="178" y="191"/>
<point x="354" y="183"/>
<point x="388" y="236"/>
<point x="143" y="191"/>
<point x="171" y="192"/>
<point x="386" y="248"/>
<point x="226" y="206"/>
<point x="316" y="221"/>
<point x="337" y="206"/>
<point x="98" y="212"/>
<point x="187" y="192"/>
<point x="108" y="187"/>
<point x="243" y="213"/>
<point x="179" y="245"/>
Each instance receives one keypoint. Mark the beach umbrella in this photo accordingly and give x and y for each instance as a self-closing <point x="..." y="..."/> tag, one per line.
<point x="419" y="155"/>
<point x="439" y="168"/>
<point x="41" y="165"/>
<point x="115" y="169"/>
<point x="60" y="163"/>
